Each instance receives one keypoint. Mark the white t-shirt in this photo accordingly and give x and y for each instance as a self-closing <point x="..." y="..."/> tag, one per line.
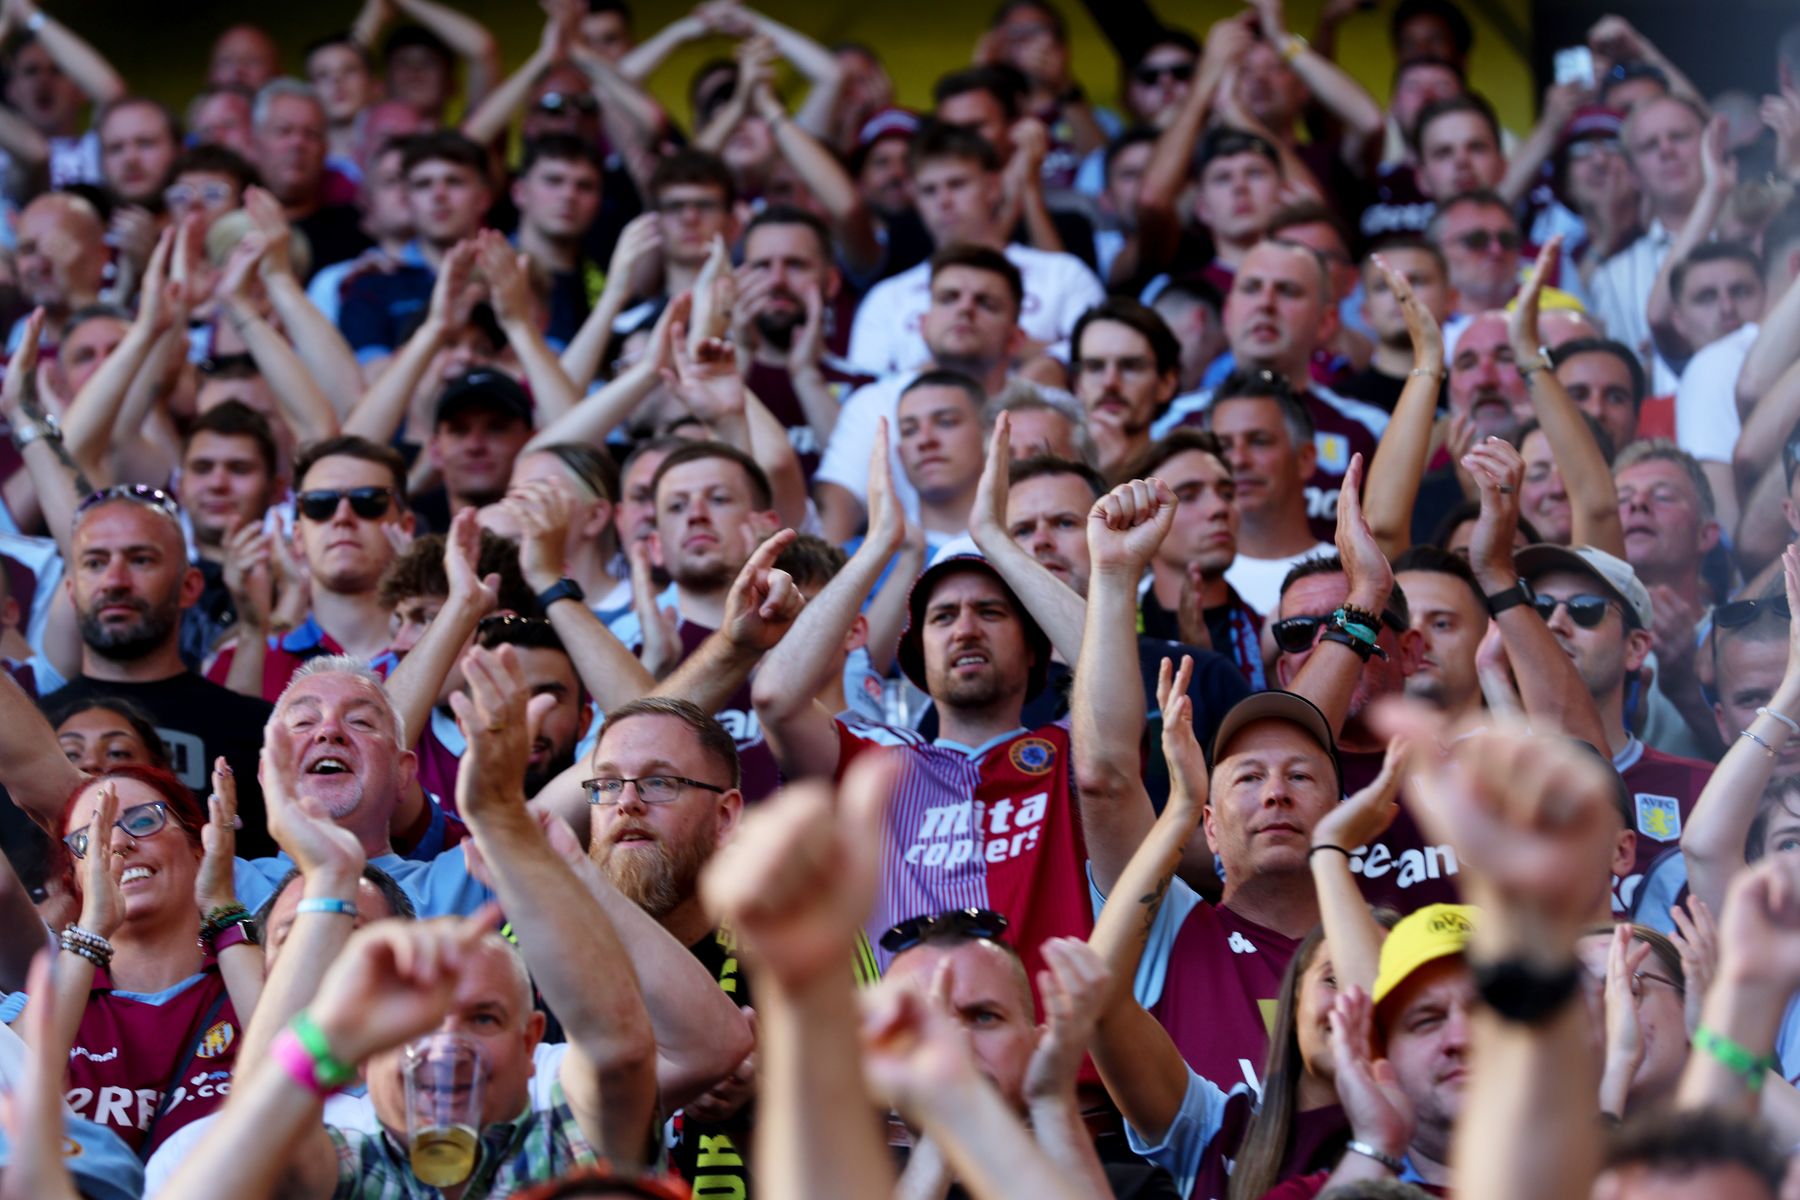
<point x="1706" y="413"/>
<point x="1258" y="580"/>
<point x="885" y="336"/>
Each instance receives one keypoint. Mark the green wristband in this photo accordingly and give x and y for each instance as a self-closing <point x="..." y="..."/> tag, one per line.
<point x="326" y="1068"/>
<point x="1737" y="1059"/>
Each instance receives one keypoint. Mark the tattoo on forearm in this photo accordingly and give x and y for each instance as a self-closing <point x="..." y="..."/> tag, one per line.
<point x="1152" y="901"/>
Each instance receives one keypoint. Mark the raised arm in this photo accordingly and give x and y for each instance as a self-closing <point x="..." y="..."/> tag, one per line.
<point x="1532" y="821"/>
<point x="303" y="403"/>
<point x="825" y="178"/>
<point x="90" y="421"/>
<point x="72" y="53"/>
<point x="1405" y="447"/>
<point x="394" y="981"/>
<point x="1713" y="837"/>
<point x="1351" y="935"/>
<point x="916" y="1059"/>
<point x="796" y="883"/>
<point x="759" y="610"/>
<point x="318" y="344"/>
<point x="467" y="37"/>
<point x="1344" y="99"/>
<point x="1718" y="177"/>
<point x="1107" y="708"/>
<point x="1759" y="969"/>
<point x="414" y="684"/>
<point x="1053" y="604"/>
<point x="381" y="410"/>
<point x="1776" y="348"/>
<point x="1143" y="1071"/>
<point x="597" y="415"/>
<point x="576" y="958"/>
<point x="1329" y="675"/>
<point x="802" y="734"/>
<point x="32" y="767"/>
<point x="1171" y="165"/>
<point x="34" y="1126"/>
<point x="644" y="58"/>
<point x="638" y="241"/>
<point x="1551" y="690"/>
<point x="57" y="482"/>
<point x="509" y="290"/>
<point x="823" y="75"/>
<point x="1527" y="159"/>
<point x="606" y="667"/>
<point x="1593" y="500"/>
<point x="487" y="122"/>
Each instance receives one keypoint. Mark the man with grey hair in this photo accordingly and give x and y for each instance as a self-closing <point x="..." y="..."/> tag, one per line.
<point x="334" y="748"/>
<point x="1043" y="421"/>
<point x="290" y="130"/>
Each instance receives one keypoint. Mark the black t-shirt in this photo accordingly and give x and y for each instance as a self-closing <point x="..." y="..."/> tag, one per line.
<point x="335" y="233"/>
<point x="713" y="1156"/>
<point x="198" y="721"/>
<point x="1373" y="387"/>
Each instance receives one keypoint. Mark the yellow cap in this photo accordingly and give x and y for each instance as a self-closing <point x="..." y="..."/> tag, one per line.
<point x="1433" y="932"/>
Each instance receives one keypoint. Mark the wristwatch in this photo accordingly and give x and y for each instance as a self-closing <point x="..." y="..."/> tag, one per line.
<point x="24" y="435"/>
<point x="1523" y="992"/>
<point x="1519" y="593"/>
<point x="562" y="589"/>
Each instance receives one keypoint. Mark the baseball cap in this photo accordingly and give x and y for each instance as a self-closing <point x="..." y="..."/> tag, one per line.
<point x="1276" y="705"/>
<point x="1594" y="121"/>
<point x="889" y="122"/>
<point x="1422" y="937"/>
<point x="961" y="554"/>
<point x="484" y="387"/>
<point x="1614" y="574"/>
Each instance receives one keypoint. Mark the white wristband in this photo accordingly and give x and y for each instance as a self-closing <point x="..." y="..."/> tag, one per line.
<point x="1793" y="726"/>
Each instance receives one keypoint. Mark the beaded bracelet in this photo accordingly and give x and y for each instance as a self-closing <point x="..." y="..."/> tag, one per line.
<point x="1735" y="1057"/>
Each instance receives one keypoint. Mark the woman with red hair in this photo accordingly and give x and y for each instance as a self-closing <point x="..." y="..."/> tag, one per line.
<point x="154" y="975"/>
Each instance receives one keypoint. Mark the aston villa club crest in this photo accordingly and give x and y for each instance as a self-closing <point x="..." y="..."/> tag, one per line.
<point x="1658" y="817"/>
<point x="1034" y="756"/>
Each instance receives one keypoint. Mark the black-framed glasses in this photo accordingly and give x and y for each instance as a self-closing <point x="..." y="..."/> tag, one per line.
<point x="1296" y="635"/>
<point x="1151" y="74"/>
<point x="140" y="821"/>
<point x="651" y="789"/>
<point x="233" y="365"/>
<point x="972" y="924"/>
<point x="368" y="503"/>
<point x="557" y="103"/>
<point x="1477" y="241"/>
<point x="137" y="493"/>
<point x="1586" y="609"/>
<point x="1740" y="613"/>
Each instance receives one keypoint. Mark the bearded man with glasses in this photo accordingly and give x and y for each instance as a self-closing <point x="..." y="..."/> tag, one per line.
<point x="350" y="520"/>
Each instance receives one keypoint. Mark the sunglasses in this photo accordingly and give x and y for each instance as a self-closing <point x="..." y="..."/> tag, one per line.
<point x="1586" y="609"/>
<point x="1296" y="635"/>
<point x="1477" y="241"/>
<point x="1149" y="75"/>
<point x="366" y="502"/>
<point x="137" y="493"/>
<point x="1740" y="613"/>
<point x="972" y="924"/>
<point x="140" y="821"/>
<point x="559" y="102"/>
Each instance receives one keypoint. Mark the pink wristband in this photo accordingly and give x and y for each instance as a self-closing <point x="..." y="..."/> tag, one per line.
<point x="292" y="1056"/>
